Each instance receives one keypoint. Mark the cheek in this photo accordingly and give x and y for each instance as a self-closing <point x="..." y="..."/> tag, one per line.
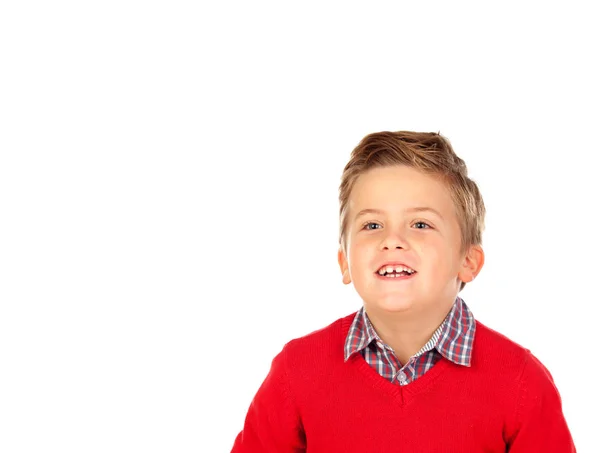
<point x="435" y="254"/>
<point x="443" y="257"/>
<point x="360" y="254"/>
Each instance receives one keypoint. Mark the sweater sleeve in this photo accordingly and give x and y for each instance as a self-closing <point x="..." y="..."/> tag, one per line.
<point x="272" y="424"/>
<point x="539" y="424"/>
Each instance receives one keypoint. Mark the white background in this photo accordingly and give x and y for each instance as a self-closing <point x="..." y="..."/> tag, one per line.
<point x="168" y="187"/>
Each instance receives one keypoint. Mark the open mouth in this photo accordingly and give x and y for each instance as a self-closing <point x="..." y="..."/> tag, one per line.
<point x="395" y="272"/>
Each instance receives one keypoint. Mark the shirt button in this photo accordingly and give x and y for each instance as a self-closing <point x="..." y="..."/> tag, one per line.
<point x="402" y="377"/>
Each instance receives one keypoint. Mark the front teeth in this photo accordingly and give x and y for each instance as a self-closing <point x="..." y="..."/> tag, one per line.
<point x="398" y="269"/>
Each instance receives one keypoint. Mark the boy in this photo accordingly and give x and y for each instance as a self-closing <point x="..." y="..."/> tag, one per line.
<point x="411" y="371"/>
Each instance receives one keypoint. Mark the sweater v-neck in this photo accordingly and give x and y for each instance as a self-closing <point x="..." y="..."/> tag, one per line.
<point x="403" y="394"/>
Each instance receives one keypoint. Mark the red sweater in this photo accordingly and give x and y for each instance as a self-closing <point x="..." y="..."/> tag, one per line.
<point x="311" y="401"/>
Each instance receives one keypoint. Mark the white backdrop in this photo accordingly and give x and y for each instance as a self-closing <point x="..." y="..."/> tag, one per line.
<point x="168" y="197"/>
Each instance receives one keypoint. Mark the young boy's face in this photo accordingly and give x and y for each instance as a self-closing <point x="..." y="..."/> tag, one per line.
<point x="384" y="227"/>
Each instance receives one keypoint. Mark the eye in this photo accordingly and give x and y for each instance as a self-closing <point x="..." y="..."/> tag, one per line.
<point x="369" y="224"/>
<point x="422" y="223"/>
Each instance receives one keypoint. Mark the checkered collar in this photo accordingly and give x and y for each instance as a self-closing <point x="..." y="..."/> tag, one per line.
<point x="453" y="339"/>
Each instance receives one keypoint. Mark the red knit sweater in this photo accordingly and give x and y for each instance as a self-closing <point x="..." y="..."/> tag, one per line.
<point x="311" y="401"/>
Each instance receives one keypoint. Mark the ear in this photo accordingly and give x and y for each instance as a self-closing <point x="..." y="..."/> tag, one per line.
<point x="472" y="264"/>
<point x="343" y="262"/>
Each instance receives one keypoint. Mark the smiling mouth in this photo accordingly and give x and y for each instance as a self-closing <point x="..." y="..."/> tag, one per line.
<point x="394" y="274"/>
<point x="395" y="271"/>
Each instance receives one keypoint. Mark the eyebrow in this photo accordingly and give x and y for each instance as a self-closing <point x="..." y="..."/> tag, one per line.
<point x="415" y="209"/>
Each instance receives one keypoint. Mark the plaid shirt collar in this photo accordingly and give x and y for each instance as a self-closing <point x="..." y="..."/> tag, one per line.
<point x="453" y="339"/>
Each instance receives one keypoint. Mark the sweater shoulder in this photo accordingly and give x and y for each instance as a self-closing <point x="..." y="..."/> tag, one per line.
<point x="498" y="339"/>
<point x="327" y="341"/>
<point x="495" y="350"/>
<point x="503" y="347"/>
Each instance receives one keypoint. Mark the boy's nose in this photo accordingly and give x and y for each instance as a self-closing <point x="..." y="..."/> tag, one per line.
<point x="393" y="241"/>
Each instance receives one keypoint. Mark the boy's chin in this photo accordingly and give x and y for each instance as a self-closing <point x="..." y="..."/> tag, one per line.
<point x="393" y="304"/>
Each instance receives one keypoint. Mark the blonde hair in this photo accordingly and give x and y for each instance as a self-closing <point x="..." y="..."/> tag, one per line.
<point x="428" y="152"/>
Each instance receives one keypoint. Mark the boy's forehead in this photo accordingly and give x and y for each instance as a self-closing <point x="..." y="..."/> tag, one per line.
<point x="357" y="210"/>
<point x="399" y="189"/>
<point x="403" y="183"/>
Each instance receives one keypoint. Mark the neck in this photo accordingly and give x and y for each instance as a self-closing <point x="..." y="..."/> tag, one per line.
<point x="406" y="333"/>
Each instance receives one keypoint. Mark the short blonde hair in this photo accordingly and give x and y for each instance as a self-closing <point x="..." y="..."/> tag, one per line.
<point x="428" y="152"/>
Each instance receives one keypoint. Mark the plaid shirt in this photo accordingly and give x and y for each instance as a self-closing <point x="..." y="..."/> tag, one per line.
<point x="453" y="340"/>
